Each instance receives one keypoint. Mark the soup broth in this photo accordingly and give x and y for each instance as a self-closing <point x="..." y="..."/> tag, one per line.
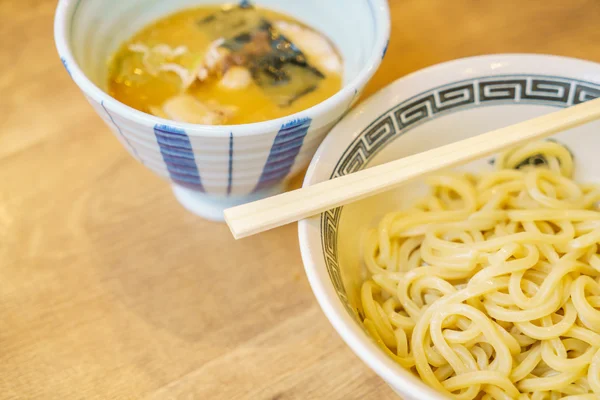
<point x="229" y="65"/>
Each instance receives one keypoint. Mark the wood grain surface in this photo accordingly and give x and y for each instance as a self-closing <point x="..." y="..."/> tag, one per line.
<point x="110" y="290"/>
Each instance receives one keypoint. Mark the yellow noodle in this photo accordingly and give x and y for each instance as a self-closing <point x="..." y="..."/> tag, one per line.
<point x="489" y="287"/>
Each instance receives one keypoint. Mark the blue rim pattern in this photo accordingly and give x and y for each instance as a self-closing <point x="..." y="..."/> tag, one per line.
<point x="443" y="100"/>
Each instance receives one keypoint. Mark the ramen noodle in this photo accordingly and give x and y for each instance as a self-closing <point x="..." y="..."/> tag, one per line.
<point x="489" y="287"/>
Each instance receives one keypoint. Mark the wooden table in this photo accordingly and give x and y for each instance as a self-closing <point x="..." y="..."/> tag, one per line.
<point x="110" y="290"/>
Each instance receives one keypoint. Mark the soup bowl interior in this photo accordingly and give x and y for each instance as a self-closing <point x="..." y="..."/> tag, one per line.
<point x="427" y="109"/>
<point x="99" y="27"/>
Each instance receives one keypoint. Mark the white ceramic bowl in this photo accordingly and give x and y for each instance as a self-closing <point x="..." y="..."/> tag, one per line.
<point x="213" y="167"/>
<point x="429" y="108"/>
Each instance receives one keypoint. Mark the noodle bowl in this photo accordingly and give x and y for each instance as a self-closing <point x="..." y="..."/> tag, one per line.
<point x="481" y="282"/>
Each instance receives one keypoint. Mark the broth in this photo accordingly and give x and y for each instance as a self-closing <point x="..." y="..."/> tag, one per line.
<point x="225" y="65"/>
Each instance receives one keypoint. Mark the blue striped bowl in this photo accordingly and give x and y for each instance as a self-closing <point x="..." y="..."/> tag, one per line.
<point x="214" y="167"/>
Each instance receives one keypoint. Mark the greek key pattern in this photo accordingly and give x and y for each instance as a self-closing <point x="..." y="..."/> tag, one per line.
<point x="477" y="92"/>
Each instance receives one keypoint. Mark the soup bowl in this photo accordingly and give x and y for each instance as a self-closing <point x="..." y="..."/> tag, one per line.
<point x="214" y="167"/>
<point x="430" y="108"/>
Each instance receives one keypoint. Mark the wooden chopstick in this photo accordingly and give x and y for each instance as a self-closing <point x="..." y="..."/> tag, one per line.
<point x="252" y="218"/>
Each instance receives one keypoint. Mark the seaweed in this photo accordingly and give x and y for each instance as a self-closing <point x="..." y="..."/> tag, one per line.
<point x="536" y="160"/>
<point x="277" y="65"/>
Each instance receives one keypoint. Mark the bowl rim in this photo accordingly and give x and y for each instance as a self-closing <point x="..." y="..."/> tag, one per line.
<point x="66" y="8"/>
<point x="313" y="258"/>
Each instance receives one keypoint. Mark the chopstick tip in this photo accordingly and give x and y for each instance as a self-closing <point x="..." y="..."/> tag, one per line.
<point x="230" y="224"/>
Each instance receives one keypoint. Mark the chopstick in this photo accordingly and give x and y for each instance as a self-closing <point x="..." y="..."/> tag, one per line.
<point x="252" y="218"/>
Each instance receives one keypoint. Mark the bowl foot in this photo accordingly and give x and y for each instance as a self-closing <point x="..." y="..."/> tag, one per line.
<point x="212" y="207"/>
